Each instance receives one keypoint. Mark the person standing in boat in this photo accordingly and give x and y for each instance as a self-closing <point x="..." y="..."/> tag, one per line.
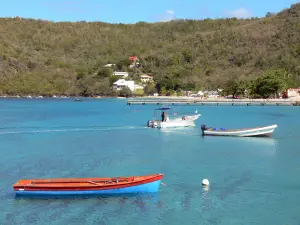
<point x="163" y="117"/>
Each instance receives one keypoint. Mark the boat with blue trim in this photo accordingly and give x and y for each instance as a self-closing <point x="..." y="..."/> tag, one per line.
<point x="266" y="131"/>
<point x="89" y="186"/>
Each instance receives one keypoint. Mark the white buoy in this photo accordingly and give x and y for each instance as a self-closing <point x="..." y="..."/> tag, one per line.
<point x="205" y="182"/>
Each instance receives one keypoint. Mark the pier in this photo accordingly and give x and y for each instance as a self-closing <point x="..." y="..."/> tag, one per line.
<point x="214" y="102"/>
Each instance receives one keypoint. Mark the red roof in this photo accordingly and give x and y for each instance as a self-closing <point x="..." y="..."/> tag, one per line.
<point x="133" y="58"/>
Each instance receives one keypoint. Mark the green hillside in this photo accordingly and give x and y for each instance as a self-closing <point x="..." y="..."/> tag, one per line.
<point x="43" y="57"/>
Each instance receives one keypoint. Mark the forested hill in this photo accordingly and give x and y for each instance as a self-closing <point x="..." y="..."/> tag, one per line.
<point x="43" y="57"/>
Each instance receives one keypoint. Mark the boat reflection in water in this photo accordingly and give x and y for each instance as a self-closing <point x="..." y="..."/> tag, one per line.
<point x="261" y="146"/>
<point x="268" y="146"/>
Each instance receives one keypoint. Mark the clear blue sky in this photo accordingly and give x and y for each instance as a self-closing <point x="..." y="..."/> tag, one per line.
<point x="131" y="11"/>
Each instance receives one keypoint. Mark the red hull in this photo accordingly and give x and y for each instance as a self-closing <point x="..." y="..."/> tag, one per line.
<point x="84" y="184"/>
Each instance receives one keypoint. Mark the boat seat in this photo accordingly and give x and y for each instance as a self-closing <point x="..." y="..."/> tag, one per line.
<point x="91" y="182"/>
<point x="119" y="179"/>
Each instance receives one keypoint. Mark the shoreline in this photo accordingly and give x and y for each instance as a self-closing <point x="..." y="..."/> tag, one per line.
<point x="51" y="97"/>
<point x="293" y="99"/>
<point x="150" y="99"/>
<point x="169" y="100"/>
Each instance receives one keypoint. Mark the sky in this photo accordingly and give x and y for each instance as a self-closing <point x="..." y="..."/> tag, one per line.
<point x="132" y="11"/>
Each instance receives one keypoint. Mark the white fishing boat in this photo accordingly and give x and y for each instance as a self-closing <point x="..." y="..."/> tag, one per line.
<point x="266" y="131"/>
<point x="174" y="121"/>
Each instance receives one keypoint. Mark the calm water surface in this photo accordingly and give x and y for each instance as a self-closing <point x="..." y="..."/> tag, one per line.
<point x="253" y="180"/>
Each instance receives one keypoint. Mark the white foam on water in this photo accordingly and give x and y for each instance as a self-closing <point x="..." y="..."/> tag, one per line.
<point x="71" y="130"/>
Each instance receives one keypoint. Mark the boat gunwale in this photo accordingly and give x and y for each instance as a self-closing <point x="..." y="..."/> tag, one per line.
<point x="90" y="186"/>
<point x="242" y="130"/>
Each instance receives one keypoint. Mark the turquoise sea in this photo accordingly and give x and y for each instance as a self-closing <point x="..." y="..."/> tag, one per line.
<point x="253" y="180"/>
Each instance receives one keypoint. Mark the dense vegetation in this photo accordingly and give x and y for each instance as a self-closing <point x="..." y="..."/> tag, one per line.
<point x="41" y="57"/>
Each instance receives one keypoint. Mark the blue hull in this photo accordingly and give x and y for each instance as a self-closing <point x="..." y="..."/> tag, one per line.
<point x="144" y="188"/>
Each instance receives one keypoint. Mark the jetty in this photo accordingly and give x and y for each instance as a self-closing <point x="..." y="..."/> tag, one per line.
<point x="213" y="102"/>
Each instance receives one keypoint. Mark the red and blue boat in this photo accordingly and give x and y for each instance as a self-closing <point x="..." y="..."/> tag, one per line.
<point x="89" y="186"/>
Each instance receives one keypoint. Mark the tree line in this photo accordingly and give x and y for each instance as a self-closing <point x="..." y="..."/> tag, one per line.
<point x="45" y="58"/>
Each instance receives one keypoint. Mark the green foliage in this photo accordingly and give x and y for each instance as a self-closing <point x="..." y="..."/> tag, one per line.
<point x="271" y="83"/>
<point x="234" y="87"/>
<point x="62" y="64"/>
<point x="123" y="64"/>
<point x="189" y="87"/>
<point x="163" y="91"/>
<point x="150" y="89"/>
<point x="54" y="58"/>
<point x="112" y="79"/>
<point x="81" y="72"/>
<point x="125" y="92"/>
<point x="171" y="93"/>
<point x="105" y="72"/>
<point x="188" y="56"/>
<point x="139" y="92"/>
<point x="179" y="93"/>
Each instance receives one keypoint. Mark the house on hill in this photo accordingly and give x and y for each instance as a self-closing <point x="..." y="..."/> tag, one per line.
<point x="146" y="78"/>
<point x="121" y="74"/>
<point x="122" y="83"/>
<point x="134" y="61"/>
<point x="133" y="58"/>
<point x="291" y="93"/>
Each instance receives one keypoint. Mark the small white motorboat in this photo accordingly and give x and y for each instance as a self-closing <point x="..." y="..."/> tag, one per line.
<point x="184" y="121"/>
<point x="266" y="131"/>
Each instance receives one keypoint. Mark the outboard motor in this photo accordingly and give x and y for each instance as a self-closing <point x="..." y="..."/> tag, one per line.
<point x="150" y="123"/>
<point x="203" y="128"/>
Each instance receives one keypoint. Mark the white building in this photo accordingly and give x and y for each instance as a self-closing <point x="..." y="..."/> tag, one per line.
<point x="200" y="93"/>
<point x="146" y="78"/>
<point x="122" y="83"/>
<point x="109" y="65"/>
<point x="293" y="92"/>
<point x="121" y="74"/>
<point x="211" y="94"/>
